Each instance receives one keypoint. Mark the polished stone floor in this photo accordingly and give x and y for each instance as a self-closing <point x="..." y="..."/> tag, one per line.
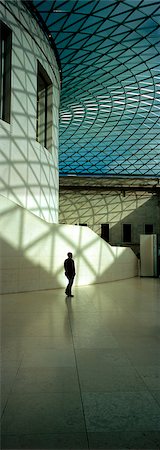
<point x="83" y="372"/>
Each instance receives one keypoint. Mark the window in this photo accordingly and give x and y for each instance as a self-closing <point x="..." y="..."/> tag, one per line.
<point x="148" y="228"/>
<point x="44" y="108"/>
<point x="105" y="231"/>
<point x="5" y="72"/>
<point x="83" y="224"/>
<point x="126" y="232"/>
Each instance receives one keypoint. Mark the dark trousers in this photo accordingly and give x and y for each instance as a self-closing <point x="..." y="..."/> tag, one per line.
<point x="69" y="286"/>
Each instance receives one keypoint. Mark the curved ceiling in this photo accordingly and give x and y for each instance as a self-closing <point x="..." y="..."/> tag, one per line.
<point x="110" y="100"/>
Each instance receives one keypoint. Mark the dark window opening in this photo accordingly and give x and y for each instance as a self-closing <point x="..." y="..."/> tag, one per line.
<point x="83" y="224"/>
<point x="5" y="72"/>
<point x="148" y="228"/>
<point x="126" y="232"/>
<point x="44" y="108"/>
<point x="105" y="231"/>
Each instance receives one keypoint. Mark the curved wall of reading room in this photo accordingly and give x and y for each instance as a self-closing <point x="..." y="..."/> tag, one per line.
<point x="29" y="113"/>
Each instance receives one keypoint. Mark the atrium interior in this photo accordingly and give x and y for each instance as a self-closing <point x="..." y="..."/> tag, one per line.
<point x="80" y="173"/>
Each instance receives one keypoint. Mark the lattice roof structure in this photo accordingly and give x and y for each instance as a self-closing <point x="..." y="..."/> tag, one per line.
<point x="110" y="100"/>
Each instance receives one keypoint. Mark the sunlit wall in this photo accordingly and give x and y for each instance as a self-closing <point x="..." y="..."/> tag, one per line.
<point x="32" y="253"/>
<point x="28" y="170"/>
<point x="113" y="208"/>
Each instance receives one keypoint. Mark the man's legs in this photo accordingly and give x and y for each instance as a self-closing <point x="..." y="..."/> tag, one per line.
<point x="69" y="286"/>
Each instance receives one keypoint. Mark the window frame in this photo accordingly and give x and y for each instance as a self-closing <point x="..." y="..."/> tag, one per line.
<point x="105" y="227"/>
<point x="148" y="225"/>
<point x="125" y="240"/>
<point x="44" y="107"/>
<point x="5" y="71"/>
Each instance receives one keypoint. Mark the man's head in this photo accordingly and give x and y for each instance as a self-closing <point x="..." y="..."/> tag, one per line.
<point x="69" y="254"/>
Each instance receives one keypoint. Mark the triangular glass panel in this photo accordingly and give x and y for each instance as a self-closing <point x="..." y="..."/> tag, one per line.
<point x="92" y="28"/>
<point x="79" y="44"/>
<point x="149" y="10"/>
<point x="104" y="10"/>
<point x="85" y="8"/>
<point x="75" y="17"/>
<point x="42" y="6"/>
<point x="79" y="37"/>
<point x="108" y="26"/>
<point x="75" y="26"/>
<point x="53" y="19"/>
<point x="80" y="56"/>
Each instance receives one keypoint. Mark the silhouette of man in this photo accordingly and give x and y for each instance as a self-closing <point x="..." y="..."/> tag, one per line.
<point x="69" y="268"/>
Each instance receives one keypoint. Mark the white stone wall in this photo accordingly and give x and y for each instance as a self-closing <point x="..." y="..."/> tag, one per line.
<point x="32" y="253"/>
<point x="95" y="208"/>
<point x="29" y="172"/>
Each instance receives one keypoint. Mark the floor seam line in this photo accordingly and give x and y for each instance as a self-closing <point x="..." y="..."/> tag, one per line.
<point x="78" y="376"/>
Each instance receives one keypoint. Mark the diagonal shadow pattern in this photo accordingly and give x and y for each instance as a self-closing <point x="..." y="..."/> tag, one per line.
<point x="32" y="253"/>
<point x="28" y="171"/>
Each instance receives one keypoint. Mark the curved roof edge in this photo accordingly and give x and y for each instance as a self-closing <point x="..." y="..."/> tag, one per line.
<point x="29" y="4"/>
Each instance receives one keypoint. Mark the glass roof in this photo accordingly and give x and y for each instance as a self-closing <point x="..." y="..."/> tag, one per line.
<point x="110" y="99"/>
